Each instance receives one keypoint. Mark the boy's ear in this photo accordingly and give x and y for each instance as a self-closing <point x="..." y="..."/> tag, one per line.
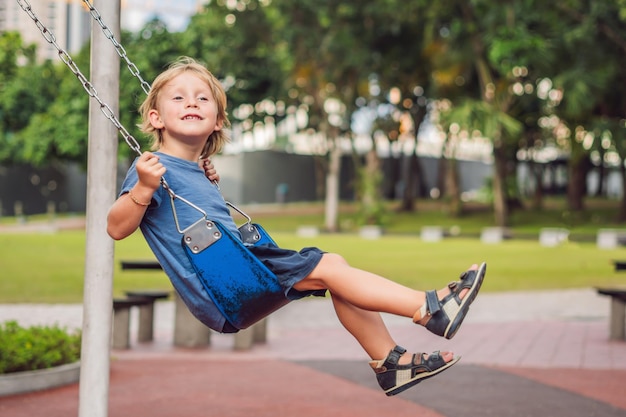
<point x="219" y="124"/>
<point x="155" y="119"/>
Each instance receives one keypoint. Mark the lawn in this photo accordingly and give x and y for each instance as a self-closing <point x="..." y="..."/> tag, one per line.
<point x="49" y="268"/>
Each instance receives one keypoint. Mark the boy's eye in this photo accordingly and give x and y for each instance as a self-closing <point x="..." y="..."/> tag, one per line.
<point x="203" y="98"/>
<point x="178" y="98"/>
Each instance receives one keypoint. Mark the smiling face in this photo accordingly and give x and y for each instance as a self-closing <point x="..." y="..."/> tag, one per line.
<point x="186" y="111"/>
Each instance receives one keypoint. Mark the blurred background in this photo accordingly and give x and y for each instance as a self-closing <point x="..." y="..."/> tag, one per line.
<point x="502" y="106"/>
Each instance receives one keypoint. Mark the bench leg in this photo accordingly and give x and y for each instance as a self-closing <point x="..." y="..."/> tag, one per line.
<point x="188" y="330"/>
<point x="257" y="333"/>
<point x="260" y="331"/>
<point x="146" y="323"/>
<point x="121" y="328"/>
<point x="244" y="339"/>
<point x="618" y="321"/>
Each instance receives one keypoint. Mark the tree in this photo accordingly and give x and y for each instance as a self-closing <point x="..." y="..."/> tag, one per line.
<point x="328" y="64"/>
<point x="19" y="91"/>
<point x="402" y="47"/>
<point x="488" y="44"/>
<point x="591" y="85"/>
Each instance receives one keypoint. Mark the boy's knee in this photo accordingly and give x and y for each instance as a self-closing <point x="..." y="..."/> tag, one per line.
<point x="334" y="259"/>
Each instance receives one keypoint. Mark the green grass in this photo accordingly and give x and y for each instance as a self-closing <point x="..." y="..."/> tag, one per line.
<point x="49" y="268"/>
<point x="600" y="213"/>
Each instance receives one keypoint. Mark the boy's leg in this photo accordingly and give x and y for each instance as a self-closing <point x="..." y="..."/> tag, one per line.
<point x="372" y="292"/>
<point x="361" y="288"/>
<point x="367" y="327"/>
<point x="370" y="331"/>
<point x="395" y="368"/>
<point x="364" y="289"/>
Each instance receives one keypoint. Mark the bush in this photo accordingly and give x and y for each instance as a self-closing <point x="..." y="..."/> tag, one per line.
<point x="37" y="347"/>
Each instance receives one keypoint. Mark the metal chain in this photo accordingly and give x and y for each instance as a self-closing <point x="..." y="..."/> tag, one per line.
<point x="91" y="90"/>
<point x="118" y="46"/>
<point x="132" y="68"/>
<point x="87" y="85"/>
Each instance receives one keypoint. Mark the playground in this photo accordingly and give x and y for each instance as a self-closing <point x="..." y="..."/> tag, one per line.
<point x="569" y="365"/>
<point x="309" y="366"/>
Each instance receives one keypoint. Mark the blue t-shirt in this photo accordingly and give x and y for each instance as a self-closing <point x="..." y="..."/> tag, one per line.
<point x="187" y="180"/>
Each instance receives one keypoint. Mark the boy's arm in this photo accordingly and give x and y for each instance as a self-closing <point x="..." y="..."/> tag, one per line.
<point x="127" y="212"/>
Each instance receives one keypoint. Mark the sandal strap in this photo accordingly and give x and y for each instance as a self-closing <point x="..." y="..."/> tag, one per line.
<point x="433" y="362"/>
<point x="431" y="306"/>
<point x="394" y="355"/>
<point x="432" y="302"/>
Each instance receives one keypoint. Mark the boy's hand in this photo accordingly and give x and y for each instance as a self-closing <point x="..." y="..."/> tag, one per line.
<point x="209" y="170"/>
<point x="150" y="170"/>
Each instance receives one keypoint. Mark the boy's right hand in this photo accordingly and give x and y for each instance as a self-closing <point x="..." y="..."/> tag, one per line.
<point x="150" y="170"/>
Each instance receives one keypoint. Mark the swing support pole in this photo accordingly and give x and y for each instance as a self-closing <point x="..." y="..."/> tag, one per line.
<point x="99" y="248"/>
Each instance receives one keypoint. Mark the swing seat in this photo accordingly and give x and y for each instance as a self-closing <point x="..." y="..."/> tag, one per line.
<point x="241" y="286"/>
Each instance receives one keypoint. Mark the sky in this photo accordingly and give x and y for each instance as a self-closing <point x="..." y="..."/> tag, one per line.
<point x="175" y="13"/>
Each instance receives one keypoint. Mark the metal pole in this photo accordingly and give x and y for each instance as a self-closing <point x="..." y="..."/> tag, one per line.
<point x="99" y="249"/>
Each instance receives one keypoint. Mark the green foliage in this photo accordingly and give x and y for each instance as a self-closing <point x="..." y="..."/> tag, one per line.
<point x="483" y="116"/>
<point x="302" y="53"/>
<point x="238" y="45"/>
<point x="36" y="347"/>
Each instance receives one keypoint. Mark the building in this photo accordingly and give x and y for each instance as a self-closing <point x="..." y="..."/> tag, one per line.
<point x="70" y="20"/>
<point x="67" y="20"/>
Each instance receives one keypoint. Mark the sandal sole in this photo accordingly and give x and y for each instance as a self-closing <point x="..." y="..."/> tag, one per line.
<point x="469" y="298"/>
<point x="421" y="377"/>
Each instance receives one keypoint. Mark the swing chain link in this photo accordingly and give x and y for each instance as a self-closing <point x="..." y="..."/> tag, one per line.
<point x="87" y="85"/>
<point x="108" y="112"/>
<point x="108" y="33"/>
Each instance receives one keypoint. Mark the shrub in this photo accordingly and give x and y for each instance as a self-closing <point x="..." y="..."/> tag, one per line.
<point x="37" y="347"/>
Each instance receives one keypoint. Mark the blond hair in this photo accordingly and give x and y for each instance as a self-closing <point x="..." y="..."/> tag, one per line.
<point x="216" y="140"/>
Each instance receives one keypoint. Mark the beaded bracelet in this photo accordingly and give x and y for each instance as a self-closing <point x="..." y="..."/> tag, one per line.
<point x="132" y="197"/>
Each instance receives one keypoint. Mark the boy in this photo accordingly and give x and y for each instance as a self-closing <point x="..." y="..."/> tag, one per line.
<point x="185" y="112"/>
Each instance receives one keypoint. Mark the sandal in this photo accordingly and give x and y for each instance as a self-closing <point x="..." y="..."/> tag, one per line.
<point x="448" y="313"/>
<point x="394" y="378"/>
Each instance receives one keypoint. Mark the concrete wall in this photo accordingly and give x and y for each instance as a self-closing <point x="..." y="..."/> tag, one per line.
<point x="263" y="177"/>
<point x="34" y="189"/>
<point x="247" y="178"/>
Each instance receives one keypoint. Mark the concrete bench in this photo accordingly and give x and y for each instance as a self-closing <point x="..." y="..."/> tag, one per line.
<point x="553" y="236"/>
<point x="619" y="265"/>
<point x="610" y="238"/>
<point x="617" y="320"/>
<point x="146" y="312"/>
<point x="120" y="338"/>
<point x="141" y="265"/>
<point x="188" y="331"/>
<point x="371" y="232"/>
<point x="431" y="233"/>
<point x="307" y="231"/>
<point x="492" y="235"/>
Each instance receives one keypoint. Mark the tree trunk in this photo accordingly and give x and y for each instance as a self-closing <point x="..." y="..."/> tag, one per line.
<point x="412" y="176"/>
<point x="451" y="179"/>
<point x="332" y="189"/>
<point x="370" y="181"/>
<point x="600" y="190"/>
<point x="621" y="216"/>
<point x="453" y="189"/>
<point x="537" y="173"/>
<point x="408" y="177"/>
<point x="500" y="206"/>
<point x="576" y="185"/>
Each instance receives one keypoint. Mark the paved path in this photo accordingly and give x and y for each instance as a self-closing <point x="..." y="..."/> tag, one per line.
<point x="524" y="354"/>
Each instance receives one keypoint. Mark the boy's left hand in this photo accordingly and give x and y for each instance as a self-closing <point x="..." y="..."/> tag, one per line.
<point x="209" y="170"/>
